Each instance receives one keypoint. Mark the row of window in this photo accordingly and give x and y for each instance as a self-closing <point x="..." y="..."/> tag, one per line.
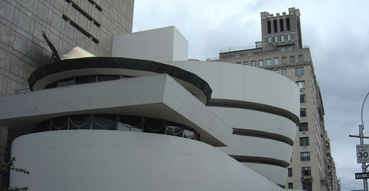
<point x="281" y="25"/>
<point x="268" y="61"/>
<point x="305" y="171"/>
<point x="279" y="38"/>
<point x="117" y="122"/>
<point x="305" y="186"/>
<point x="84" y="13"/>
<point x="80" y="29"/>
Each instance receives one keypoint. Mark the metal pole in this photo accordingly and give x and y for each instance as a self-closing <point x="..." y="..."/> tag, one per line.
<point x="363" y="166"/>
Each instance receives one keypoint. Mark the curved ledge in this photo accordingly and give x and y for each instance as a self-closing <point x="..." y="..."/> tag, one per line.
<point x="255" y="106"/>
<point x="261" y="160"/>
<point x="132" y="67"/>
<point x="262" y="134"/>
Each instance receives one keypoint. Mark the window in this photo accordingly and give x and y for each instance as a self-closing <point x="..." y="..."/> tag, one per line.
<point x="252" y="63"/>
<point x="282" y="38"/>
<point x="289" y="48"/>
<point x="303" y="112"/>
<point x="292" y="59"/>
<point x="284" y="72"/>
<point x="290" y="185"/>
<point x="269" y="27"/>
<point x="281" y="25"/>
<point x="288" y="37"/>
<point x="301" y="84"/>
<point x="238" y="62"/>
<point x="303" y="98"/>
<point x="269" y="39"/>
<point x="306" y="171"/>
<point x="304" y="141"/>
<point x="276" y="71"/>
<point x="237" y="55"/>
<point x="261" y="63"/>
<point x="289" y="172"/>
<point x="246" y="63"/>
<point x="299" y="71"/>
<point x="284" y="60"/>
<point x="276" y="39"/>
<point x="303" y="126"/>
<point x="283" y="49"/>
<point x="307" y="186"/>
<point x="301" y="58"/>
<point x="249" y="54"/>
<point x="275" y="61"/>
<point x="288" y="23"/>
<point x="268" y="62"/>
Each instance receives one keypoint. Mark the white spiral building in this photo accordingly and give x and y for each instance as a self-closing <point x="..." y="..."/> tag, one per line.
<point x="114" y="123"/>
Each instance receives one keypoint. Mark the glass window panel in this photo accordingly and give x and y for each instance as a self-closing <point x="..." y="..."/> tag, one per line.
<point x="268" y="62"/>
<point x="303" y="112"/>
<point x="101" y="78"/>
<point x="104" y="121"/>
<point x="276" y="61"/>
<point x="292" y="59"/>
<point x="299" y="71"/>
<point x="60" y="123"/>
<point x="304" y="141"/>
<point x="303" y="126"/>
<point x="66" y="82"/>
<point x="301" y="58"/>
<point x="284" y="72"/>
<point x="261" y="63"/>
<point x="301" y="84"/>
<point x="154" y="125"/>
<point x="174" y="130"/>
<point x="127" y="127"/>
<point x="80" y="122"/>
<point x="252" y="63"/>
<point x="289" y="172"/>
<point x="85" y="79"/>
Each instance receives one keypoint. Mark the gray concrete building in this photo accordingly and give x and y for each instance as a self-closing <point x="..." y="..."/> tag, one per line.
<point x="281" y="50"/>
<point x="90" y="24"/>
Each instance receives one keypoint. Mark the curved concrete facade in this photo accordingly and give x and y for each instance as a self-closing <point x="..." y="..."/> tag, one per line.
<point x="251" y="115"/>
<point x="110" y="160"/>
<point x="247" y="87"/>
<point x="261" y="106"/>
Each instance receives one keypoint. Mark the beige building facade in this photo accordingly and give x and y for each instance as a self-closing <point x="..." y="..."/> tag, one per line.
<point x="90" y="24"/>
<point x="281" y="50"/>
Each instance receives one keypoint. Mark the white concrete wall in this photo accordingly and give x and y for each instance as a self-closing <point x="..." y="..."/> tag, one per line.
<point x="158" y="96"/>
<point x="257" y="100"/>
<point x="115" y="160"/>
<point x="163" y="44"/>
<point x="246" y="84"/>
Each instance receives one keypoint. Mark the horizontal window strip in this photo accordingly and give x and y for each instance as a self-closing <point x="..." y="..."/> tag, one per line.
<point x="260" y="160"/>
<point x="80" y="29"/>
<point x="254" y="106"/>
<point x="262" y="134"/>
<point x="93" y="3"/>
<point x="84" y="13"/>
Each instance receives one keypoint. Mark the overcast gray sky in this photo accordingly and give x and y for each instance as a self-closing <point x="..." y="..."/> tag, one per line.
<point x="337" y="32"/>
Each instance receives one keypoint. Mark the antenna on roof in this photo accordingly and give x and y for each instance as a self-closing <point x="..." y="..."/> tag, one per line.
<point x="55" y="56"/>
